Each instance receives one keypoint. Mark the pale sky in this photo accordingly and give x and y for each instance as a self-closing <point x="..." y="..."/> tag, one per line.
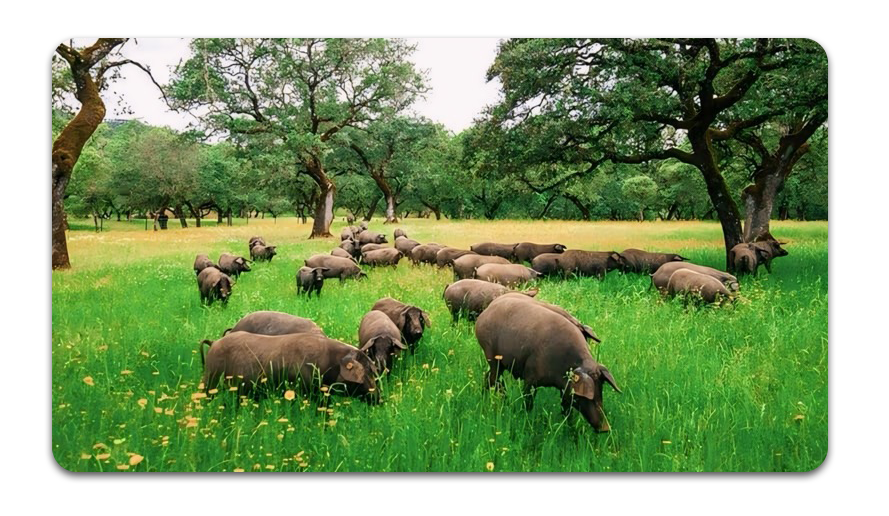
<point x="456" y="70"/>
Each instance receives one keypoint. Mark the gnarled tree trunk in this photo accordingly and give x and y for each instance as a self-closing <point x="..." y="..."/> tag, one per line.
<point x="324" y="203"/>
<point x="726" y="209"/>
<point x="68" y="145"/>
<point x="372" y="209"/>
<point x="770" y="175"/>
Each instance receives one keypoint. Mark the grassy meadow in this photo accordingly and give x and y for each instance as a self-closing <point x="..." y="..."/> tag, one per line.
<point x="738" y="388"/>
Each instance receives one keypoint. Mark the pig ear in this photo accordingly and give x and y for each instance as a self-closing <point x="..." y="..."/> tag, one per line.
<point x="399" y="344"/>
<point x="582" y="384"/>
<point x="351" y="370"/>
<point x="425" y="317"/>
<point x="532" y="293"/>
<point x="606" y="375"/>
<point x="369" y="344"/>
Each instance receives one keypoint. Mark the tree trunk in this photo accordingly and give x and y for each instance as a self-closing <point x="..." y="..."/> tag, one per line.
<point x="218" y="216"/>
<point x="229" y="217"/>
<point x="181" y="214"/>
<point x="717" y="189"/>
<point x="372" y="209"/>
<point x="324" y="204"/>
<point x="673" y="211"/>
<point x="96" y="221"/>
<point x="65" y="153"/>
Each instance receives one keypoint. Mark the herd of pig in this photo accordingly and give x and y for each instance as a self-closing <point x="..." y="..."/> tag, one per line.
<point x="540" y="343"/>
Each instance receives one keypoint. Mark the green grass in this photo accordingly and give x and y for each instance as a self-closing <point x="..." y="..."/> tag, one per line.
<point x="742" y="388"/>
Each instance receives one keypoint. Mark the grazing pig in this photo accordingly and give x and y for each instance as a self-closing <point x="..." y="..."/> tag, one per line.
<point x="336" y="266"/>
<point x="544" y="349"/>
<point x="201" y="262"/>
<point x="405" y="245"/>
<point x="636" y="260"/>
<point x="257" y="240"/>
<point x="310" y="279"/>
<point x="342" y="253"/>
<point x="214" y="284"/>
<point x="233" y="265"/>
<point x="425" y="253"/>
<point x="526" y="251"/>
<point x="350" y="218"/>
<point x="266" y="322"/>
<point x="370" y="237"/>
<point x="768" y="250"/>
<point x="384" y="256"/>
<point x="493" y="249"/>
<point x="362" y="226"/>
<point x="509" y="275"/>
<point x="580" y="263"/>
<point x="398" y="233"/>
<point x="347" y="233"/>
<point x="371" y="247"/>
<point x="446" y="255"/>
<point x="352" y="247"/>
<point x="248" y="360"/>
<point x="471" y="296"/>
<point x="410" y="320"/>
<point x="465" y="266"/>
<point x="661" y="278"/>
<point x="263" y="253"/>
<point x="691" y="284"/>
<point x="380" y="339"/>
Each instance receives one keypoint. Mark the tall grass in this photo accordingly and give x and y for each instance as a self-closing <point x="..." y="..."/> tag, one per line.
<point x="742" y="388"/>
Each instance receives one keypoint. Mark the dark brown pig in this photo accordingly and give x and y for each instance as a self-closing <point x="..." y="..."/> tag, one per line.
<point x="470" y="297"/>
<point x="352" y="247"/>
<point x="509" y="275"/>
<point x="310" y="279"/>
<point x="410" y="320"/>
<point x="661" y="278"/>
<point x="263" y="253"/>
<point x="201" y="262"/>
<point x="405" y="245"/>
<point x="398" y="233"/>
<point x="342" y="253"/>
<point x="543" y="349"/>
<point x="214" y="284"/>
<point x="337" y="267"/>
<point x="369" y="237"/>
<point x="494" y="249"/>
<point x="233" y="265"/>
<point x="526" y="251"/>
<point x="380" y="339"/>
<point x="580" y="263"/>
<point x="446" y="255"/>
<point x="637" y="260"/>
<point x="267" y="322"/>
<point x="371" y="247"/>
<point x="380" y="257"/>
<point x="465" y="266"/>
<point x="257" y="240"/>
<point x="425" y="253"/>
<point x="690" y="285"/>
<point x="248" y="360"/>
